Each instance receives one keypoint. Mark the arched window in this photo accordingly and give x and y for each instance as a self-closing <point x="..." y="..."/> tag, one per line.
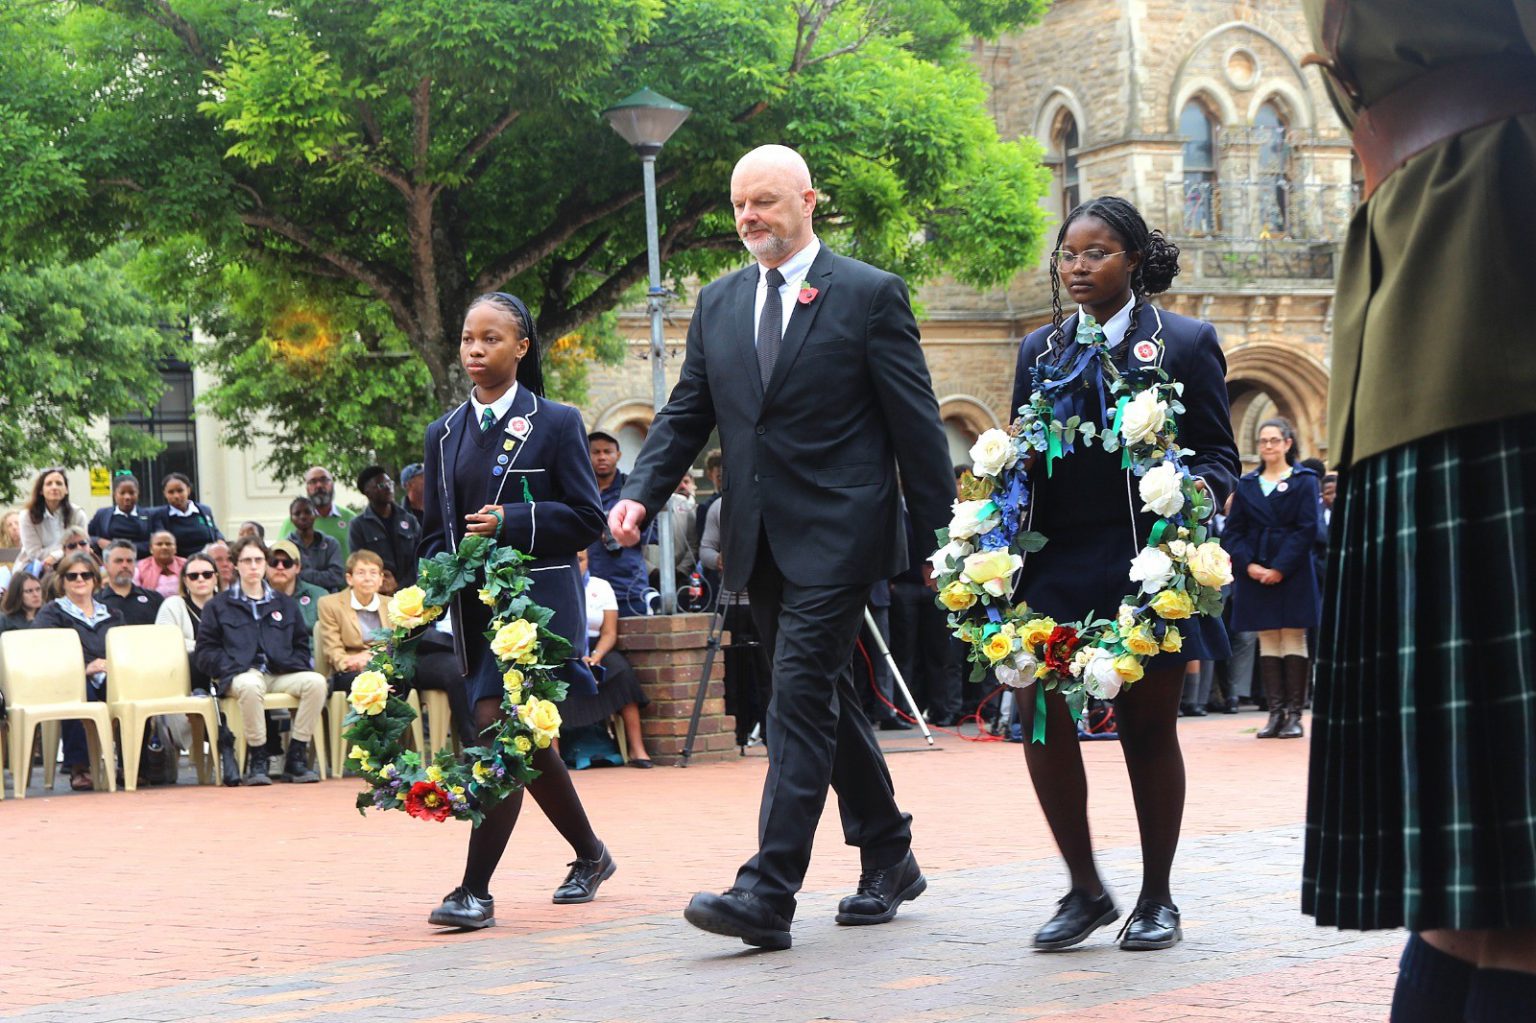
<point x="1065" y="141"/>
<point x="1274" y="159"/>
<point x="1199" y="133"/>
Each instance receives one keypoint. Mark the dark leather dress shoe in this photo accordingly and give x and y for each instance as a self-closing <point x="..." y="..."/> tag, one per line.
<point x="1078" y="917"/>
<point x="895" y="725"/>
<point x="881" y="893"/>
<point x="461" y="909"/>
<point x="1151" y="925"/>
<point x="581" y="883"/>
<point x="738" y="913"/>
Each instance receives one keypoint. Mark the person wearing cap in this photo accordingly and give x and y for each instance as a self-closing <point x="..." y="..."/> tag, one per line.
<point x="321" y="558"/>
<point x="386" y="529"/>
<point x="512" y="466"/>
<point x="623" y="568"/>
<point x="412" y="483"/>
<point x="284" y="566"/>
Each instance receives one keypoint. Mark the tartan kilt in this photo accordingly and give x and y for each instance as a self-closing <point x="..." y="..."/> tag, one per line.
<point x="1421" y="802"/>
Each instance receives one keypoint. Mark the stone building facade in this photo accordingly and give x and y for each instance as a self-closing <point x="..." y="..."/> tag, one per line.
<point x="1199" y="112"/>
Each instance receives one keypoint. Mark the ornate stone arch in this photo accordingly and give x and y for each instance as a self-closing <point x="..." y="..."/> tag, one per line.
<point x="965" y="417"/>
<point x="1292" y="100"/>
<point x="1266" y="376"/>
<point x="1211" y="93"/>
<point x="1060" y="98"/>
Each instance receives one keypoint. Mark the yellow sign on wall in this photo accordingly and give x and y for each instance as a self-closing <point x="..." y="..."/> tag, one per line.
<point x="101" y="481"/>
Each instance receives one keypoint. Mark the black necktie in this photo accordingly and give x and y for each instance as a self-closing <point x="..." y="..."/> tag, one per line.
<point x="770" y="326"/>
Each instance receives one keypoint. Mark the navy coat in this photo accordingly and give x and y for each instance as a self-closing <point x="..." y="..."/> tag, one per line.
<point x="1279" y="532"/>
<point x="534" y="464"/>
<point x="192" y="532"/>
<point x="1088" y="507"/>
<point x="133" y="527"/>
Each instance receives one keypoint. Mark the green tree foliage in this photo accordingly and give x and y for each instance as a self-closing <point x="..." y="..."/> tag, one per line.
<point x="408" y="154"/>
<point x="79" y="342"/>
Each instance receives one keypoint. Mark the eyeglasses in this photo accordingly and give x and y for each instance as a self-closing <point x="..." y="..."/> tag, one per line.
<point x="1265" y="441"/>
<point x="201" y="575"/>
<point x="75" y="577"/>
<point x="1091" y="260"/>
<point x="280" y="562"/>
<point x="77" y="545"/>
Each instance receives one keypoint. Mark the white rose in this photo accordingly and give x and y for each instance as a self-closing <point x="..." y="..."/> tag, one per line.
<point x="966" y="522"/>
<point x="947" y="559"/>
<point x="1152" y="568"/>
<point x="1100" y="678"/>
<point x="992" y="453"/>
<point x="1210" y="565"/>
<point x="1179" y="548"/>
<point x="1160" y="489"/>
<point x="1020" y="674"/>
<point x="1143" y="418"/>
<point x="1125" y="617"/>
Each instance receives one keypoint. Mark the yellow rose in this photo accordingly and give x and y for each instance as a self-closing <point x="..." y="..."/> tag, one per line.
<point x="369" y="693"/>
<point x="1141" y="643"/>
<point x="364" y="762"/>
<point x="1036" y="631"/>
<point x="1173" y="604"/>
<point x="1129" y="667"/>
<point x="521" y="744"/>
<point x="956" y="596"/>
<point x="1210" y="565"/>
<point x="513" y="682"/>
<point x="407" y="608"/>
<point x="516" y="641"/>
<point x="487" y="598"/>
<point x="997" y="646"/>
<point x="434" y="774"/>
<point x="543" y="717"/>
<point x="481" y="772"/>
<point x="993" y="571"/>
<point x="1173" y="641"/>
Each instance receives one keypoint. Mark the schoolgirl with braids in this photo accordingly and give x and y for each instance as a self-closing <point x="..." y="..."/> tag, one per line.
<point x="1110" y="264"/>
<point x="510" y="464"/>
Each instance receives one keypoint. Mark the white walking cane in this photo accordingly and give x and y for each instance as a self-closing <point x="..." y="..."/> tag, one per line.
<point x="885" y="651"/>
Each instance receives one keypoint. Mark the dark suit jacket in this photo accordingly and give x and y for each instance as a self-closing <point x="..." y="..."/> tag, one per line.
<point x="812" y="460"/>
<point x="105" y="525"/>
<point x="561" y="515"/>
<point x="1279" y="532"/>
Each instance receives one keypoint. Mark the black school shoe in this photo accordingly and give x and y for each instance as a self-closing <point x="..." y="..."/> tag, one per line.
<point x="738" y="913"/>
<point x="881" y="893"/>
<point x="463" y="910"/>
<point x="1078" y="917"/>
<point x="581" y="883"/>
<point x="1151" y="925"/>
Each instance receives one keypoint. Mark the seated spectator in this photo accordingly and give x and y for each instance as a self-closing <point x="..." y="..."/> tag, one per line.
<point x="320" y="487"/>
<point x="349" y="620"/>
<point x="90" y="619"/>
<point x="23" y="598"/>
<point x="10" y="530"/>
<point x="252" y="641"/>
<point x="47" y="515"/>
<point x="219" y="552"/>
<point x="387" y="529"/>
<point x="125" y="520"/>
<point x="412" y="480"/>
<point x="623" y="567"/>
<point x="134" y="603"/>
<point x="320" y="555"/>
<point x="284" y="568"/>
<point x="190" y="522"/>
<point x="619" y="690"/>
<point x="161" y="571"/>
<point x="250" y="527"/>
<point x="197" y="585"/>
<point x="685" y="554"/>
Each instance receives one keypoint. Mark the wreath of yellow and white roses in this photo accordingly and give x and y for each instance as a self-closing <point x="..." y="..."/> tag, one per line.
<point x="527" y="654"/>
<point x="1178" y="573"/>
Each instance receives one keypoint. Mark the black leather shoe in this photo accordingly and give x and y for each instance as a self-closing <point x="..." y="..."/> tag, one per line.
<point x="1151" y="925"/>
<point x="881" y="893"/>
<point x="256" y="769"/>
<point x="461" y="909"/>
<point x="296" y="766"/>
<point x="895" y="725"/>
<point x="1078" y="917"/>
<point x="581" y="883"/>
<point x="738" y="913"/>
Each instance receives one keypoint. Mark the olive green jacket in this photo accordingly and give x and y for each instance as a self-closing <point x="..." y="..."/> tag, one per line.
<point x="1434" y="326"/>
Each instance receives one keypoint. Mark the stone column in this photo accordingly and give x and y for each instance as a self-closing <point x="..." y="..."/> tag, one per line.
<point x="668" y="652"/>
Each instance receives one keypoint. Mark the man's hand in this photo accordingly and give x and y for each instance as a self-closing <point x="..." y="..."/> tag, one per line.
<point x="928" y="579"/>
<point x="625" y="520"/>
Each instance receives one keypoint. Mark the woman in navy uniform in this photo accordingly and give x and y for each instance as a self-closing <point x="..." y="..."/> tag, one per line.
<point x="511" y="465"/>
<point x="1088" y="509"/>
<point x="1271" y="535"/>
<point x="126" y="519"/>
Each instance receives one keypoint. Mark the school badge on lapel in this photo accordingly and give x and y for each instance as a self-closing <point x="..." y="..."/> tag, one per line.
<point x="1146" y="351"/>
<point x="518" y="427"/>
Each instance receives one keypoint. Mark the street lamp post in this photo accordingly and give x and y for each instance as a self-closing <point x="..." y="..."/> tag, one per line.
<point x="646" y="120"/>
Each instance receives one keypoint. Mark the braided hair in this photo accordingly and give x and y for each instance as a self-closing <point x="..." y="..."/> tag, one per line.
<point x="530" y="372"/>
<point x="1159" y="257"/>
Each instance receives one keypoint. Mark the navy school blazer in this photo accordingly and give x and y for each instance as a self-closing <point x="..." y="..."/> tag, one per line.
<point x="537" y="469"/>
<point x="1278" y="532"/>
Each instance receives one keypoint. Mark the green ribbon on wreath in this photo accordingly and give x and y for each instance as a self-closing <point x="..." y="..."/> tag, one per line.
<point x="1125" y="449"/>
<point x="1039" y="730"/>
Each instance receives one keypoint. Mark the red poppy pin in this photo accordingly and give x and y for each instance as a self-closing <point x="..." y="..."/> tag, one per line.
<point x="807" y="294"/>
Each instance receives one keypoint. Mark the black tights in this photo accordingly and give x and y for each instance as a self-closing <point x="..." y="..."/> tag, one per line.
<point x="554" y="793"/>
<point x="1146" y="716"/>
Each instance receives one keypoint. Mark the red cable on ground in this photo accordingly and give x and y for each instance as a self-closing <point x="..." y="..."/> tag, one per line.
<point x="982" y="736"/>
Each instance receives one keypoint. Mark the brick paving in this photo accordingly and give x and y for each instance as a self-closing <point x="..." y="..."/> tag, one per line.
<point x="282" y="904"/>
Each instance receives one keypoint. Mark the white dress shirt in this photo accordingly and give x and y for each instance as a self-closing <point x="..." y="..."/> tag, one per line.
<point x="1114" y="330"/>
<point x="794" y="270"/>
<point x="498" y="407"/>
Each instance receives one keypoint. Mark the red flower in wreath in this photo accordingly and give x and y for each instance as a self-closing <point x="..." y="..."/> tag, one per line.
<point x="1059" y="646"/>
<point x="807" y="294"/>
<point x="428" y="802"/>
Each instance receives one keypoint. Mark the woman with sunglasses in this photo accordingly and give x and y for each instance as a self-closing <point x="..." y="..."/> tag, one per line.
<point x="90" y="619"/>
<point x="47" y="515"/>
<point x="190" y="522"/>
<point x="198" y="582"/>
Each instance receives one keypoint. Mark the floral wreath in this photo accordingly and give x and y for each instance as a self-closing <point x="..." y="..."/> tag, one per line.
<point x="527" y="654"/>
<point x="1180" y="571"/>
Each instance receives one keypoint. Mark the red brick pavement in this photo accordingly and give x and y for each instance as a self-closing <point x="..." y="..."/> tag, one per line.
<point x="110" y="893"/>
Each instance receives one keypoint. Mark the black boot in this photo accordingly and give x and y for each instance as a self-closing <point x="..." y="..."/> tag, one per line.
<point x="256" y="767"/>
<point x="1272" y="677"/>
<point x="229" y="769"/>
<point x="1296" y="671"/>
<point x="296" y="767"/>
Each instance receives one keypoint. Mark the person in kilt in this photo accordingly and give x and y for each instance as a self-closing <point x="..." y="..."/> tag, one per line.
<point x="1421" y="809"/>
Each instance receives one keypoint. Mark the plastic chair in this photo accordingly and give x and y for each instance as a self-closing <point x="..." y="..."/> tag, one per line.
<point x="271" y="701"/>
<point x="42" y="673"/>
<point x="440" y="730"/>
<point x="147" y="676"/>
<point x="336" y="717"/>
